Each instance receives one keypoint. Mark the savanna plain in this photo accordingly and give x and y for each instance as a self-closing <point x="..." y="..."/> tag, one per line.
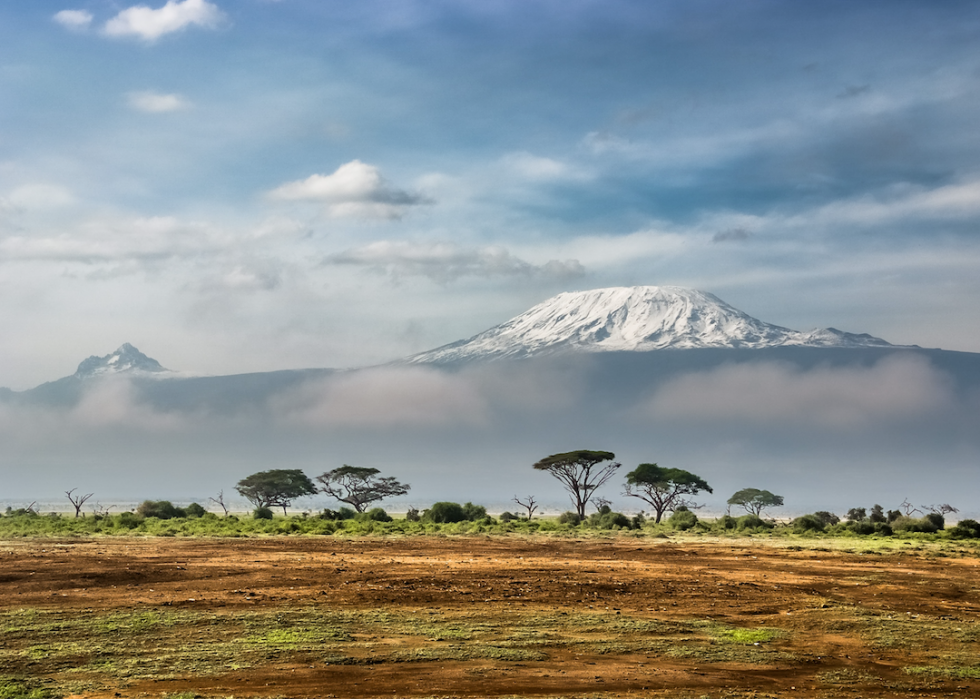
<point x="502" y="615"/>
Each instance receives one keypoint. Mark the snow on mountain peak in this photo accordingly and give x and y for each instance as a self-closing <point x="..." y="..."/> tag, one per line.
<point x="639" y="318"/>
<point x="127" y="359"/>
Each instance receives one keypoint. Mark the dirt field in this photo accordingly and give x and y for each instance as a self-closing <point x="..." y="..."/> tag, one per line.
<point x="473" y="616"/>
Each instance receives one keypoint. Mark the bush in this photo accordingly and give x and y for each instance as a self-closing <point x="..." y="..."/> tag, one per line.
<point x="161" y="509"/>
<point x="413" y="515"/>
<point x="937" y="519"/>
<point x="683" y="519"/>
<point x="863" y="527"/>
<point x="828" y="518"/>
<point x="195" y="510"/>
<point x="569" y="518"/>
<point x="508" y="517"/>
<point x="727" y="522"/>
<point x="965" y="529"/>
<point x="638" y="521"/>
<point x="910" y="524"/>
<point x="856" y="514"/>
<point x="753" y="522"/>
<point x="444" y="512"/>
<point x="338" y="515"/>
<point x="809" y="523"/>
<point x="262" y="513"/>
<point x="127" y="520"/>
<point x="375" y="514"/>
<point x="474" y="513"/>
<point x="609" y="520"/>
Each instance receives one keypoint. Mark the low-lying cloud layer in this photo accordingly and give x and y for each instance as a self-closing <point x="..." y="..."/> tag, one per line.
<point x="445" y="431"/>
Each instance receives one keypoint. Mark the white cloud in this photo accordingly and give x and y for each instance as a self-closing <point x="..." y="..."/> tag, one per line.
<point x="156" y="103"/>
<point x="447" y="261"/>
<point x="40" y="196"/>
<point x="151" y="238"/>
<point x="354" y="189"/>
<point x="770" y="393"/>
<point x="533" y="167"/>
<point x="75" y="20"/>
<point x="387" y="397"/>
<point x="150" y="24"/>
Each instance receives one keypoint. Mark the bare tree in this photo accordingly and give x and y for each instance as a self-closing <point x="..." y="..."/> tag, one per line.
<point x="99" y="511"/>
<point x="943" y="509"/>
<point x="220" y="501"/>
<point x="529" y="503"/>
<point x="77" y="500"/>
<point x="908" y="508"/>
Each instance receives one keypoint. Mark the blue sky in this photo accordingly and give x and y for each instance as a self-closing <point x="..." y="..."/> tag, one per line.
<point x="260" y="185"/>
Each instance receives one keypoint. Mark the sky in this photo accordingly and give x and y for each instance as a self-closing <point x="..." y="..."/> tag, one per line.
<point x="261" y="185"/>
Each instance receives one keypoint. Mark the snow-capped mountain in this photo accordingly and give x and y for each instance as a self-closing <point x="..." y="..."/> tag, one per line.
<point x="639" y="318"/>
<point x="125" y="360"/>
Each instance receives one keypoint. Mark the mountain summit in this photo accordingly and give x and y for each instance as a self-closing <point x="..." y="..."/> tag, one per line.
<point x="634" y="319"/>
<point x="127" y="359"/>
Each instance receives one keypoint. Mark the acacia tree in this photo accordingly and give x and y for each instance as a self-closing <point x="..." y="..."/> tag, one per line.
<point x="277" y="487"/>
<point x="755" y="501"/>
<point x="580" y="472"/>
<point x="359" y="486"/>
<point x="664" y="489"/>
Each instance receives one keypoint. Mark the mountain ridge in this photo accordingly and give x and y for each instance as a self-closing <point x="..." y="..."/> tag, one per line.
<point x="638" y="319"/>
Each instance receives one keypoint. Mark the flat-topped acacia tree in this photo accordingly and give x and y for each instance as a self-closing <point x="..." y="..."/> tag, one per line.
<point x="359" y="486"/>
<point x="277" y="487"/>
<point x="664" y="488"/>
<point x="754" y="501"/>
<point x="582" y="472"/>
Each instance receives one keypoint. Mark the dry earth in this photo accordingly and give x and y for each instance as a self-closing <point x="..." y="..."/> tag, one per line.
<point x="486" y="616"/>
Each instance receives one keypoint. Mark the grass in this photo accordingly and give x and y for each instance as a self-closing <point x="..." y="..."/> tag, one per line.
<point x="114" y="649"/>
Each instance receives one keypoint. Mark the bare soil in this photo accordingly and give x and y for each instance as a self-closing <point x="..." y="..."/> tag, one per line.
<point x="487" y="616"/>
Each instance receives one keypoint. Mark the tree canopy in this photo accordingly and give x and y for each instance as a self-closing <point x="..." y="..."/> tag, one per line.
<point x="664" y="489"/>
<point x="278" y="487"/>
<point x="755" y="501"/>
<point x="359" y="486"/>
<point x="580" y="472"/>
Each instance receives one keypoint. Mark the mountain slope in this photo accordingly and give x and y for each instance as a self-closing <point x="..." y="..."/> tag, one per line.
<point x="635" y="319"/>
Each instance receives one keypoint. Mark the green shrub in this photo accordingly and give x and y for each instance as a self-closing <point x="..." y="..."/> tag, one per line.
<point x="161" y="509"/>
<point x="194" y="510"/>
<point x="338" y="515"/>
<point x="809" y="523"/>
<point x="937" y="519"/>
<point x="508" y="517"/>
<point x="682" y="519"/>
<point x="127" y="520"/>
<point x="375" y="514"/>
<point x="262" y="513"/>
<point x="911" y="524"/>
<point x="828" y="518"/>
<point x="609" y="520"/>
<point x="727" y="522"/>
<point x="413" y="515"/>
<point x="965" y="529"/>
<point x="444" y="512"/>
<point x="751" y="521"/>
<point x="474" y="513"/>
<point x="569" y="518"/>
